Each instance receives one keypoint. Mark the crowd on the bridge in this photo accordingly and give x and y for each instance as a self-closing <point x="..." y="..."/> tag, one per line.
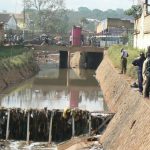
<point x="13" y="39"/>
<point x="143" y="70"/>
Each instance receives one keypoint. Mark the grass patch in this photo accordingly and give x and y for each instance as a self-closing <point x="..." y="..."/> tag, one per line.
<point x="16" y="61"/>
<point x="115" y="56"/>
<point x="9" y="51"/>
<point x="14" y="57"/>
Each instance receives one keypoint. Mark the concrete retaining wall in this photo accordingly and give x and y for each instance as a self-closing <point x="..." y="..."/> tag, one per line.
<point x="130" y="127"/>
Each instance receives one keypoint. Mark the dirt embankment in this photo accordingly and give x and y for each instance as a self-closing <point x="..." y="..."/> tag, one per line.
<point x="14" y="75"/>
<point x="130" y="127"/>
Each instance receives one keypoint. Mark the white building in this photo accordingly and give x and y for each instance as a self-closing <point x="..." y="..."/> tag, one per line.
<point x="9" y="21"/>
<point x="142" y="28"/>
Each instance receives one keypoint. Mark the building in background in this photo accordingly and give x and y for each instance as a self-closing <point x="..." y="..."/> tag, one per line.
<point x="142" y="28"/>
<point x="115" y="31"/>
<point x="9" y="21"/>
<point x="115" y="26"/>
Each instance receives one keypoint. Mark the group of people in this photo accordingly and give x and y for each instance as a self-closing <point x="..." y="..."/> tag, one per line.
<point x="143" y="67"/>
<point x="13" y="39"/>
<point x="81" y="39"/>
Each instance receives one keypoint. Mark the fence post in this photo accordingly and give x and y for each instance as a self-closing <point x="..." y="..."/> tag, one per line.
<point x="7" y="129"/>
<point x="28" y="128"/>
<point x="50" y="128"/>
<point x="89" y="124"/>
<point x="73" y="126"/>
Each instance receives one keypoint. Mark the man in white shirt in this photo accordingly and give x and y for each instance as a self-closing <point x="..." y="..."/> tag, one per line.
<point x="124" y="55"/>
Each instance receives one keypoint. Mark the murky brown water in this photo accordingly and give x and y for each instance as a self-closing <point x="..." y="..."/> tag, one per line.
<point x="56" y="88"/>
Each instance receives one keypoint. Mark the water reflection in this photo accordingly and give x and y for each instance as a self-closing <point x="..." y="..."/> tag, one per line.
<point x="57" y="89"/>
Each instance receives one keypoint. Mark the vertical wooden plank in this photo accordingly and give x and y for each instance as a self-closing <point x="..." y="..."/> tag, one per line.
<point x="73" y="126"/>
<point x="28" y="127"/>
<point x="7" y="128"/>
<point x="50" y="128"/>
<point x="89" y="124"/>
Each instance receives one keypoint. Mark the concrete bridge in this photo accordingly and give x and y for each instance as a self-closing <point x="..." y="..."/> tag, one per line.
<point x="56" y="48"/>
<point x="94" y="54"/>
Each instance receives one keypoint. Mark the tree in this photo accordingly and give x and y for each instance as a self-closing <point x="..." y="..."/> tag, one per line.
<point x="44" y="4"/>
<point x="135" y="11"/>
<point x="48" y="11"/>
<point x="83" y="21"/>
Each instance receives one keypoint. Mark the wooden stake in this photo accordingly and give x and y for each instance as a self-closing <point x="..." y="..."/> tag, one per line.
<point x="28" y="128"/>
<point x="50" y="128"/>
<point x="7" y="129"/>
<point x="90" y="124"/>
<point x="73" y="126"/>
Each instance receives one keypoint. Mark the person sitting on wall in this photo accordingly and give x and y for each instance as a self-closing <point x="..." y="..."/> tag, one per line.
<point x="139" y="62"/>
<point x="124" y="55"/>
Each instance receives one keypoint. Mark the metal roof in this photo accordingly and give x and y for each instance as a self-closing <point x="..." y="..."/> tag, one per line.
<point x="5" y="17"/>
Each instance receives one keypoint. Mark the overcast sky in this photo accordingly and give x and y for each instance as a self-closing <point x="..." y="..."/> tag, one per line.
<point x="16" y="5"/>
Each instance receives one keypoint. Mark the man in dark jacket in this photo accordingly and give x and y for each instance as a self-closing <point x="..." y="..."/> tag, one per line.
<point x="146" y="74"/>
<point x="139" y="63"/>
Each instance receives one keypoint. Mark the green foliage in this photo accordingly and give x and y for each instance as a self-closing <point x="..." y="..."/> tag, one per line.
<point x="135" y="11"/>
<point x="84" y="10"/>
<point x="75" y="17"/>
<point x="84" y="21"/>
<point x="10" y="51"/>
<point x="47" y="15"/>
<point x="17" y="61"/>
<point x="115" y="56"/>
<point x="14" y="56"/>
<point x="61" y="20"/>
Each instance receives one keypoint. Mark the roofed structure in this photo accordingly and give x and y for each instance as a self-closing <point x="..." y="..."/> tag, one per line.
<point x="9" y="21"/>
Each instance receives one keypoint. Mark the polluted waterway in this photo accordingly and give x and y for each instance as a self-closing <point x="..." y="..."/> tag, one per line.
<point x="53" y="94"/>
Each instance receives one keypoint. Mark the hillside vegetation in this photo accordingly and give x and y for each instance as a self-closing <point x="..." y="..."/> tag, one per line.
<point x="65" y="19"/>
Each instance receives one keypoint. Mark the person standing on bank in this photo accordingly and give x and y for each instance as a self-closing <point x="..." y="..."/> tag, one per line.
<point x="139" y="63"/>
<point x="146" y="74"/>
<point x="124" y="55"/>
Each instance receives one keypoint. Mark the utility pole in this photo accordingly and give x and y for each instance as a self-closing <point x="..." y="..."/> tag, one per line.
<point x="24" y="18"/>
<point x="24" y="11"/>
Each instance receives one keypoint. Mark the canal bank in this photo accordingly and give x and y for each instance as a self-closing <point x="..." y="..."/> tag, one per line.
<point x="16" y="69"/>
<point x="129" y="129"/>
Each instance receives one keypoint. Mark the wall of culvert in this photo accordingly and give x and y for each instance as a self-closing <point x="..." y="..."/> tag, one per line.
<point x="130" y="127"/>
